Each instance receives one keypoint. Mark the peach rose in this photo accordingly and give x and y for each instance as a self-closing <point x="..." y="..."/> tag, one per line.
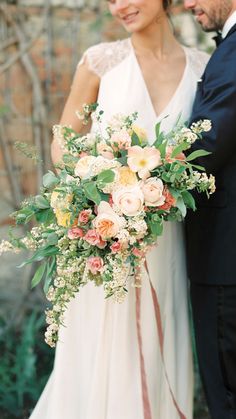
<point x="75" y="233"/>
<point x="105" y="150"/>
<point x="143" y="160"/>
<point x="83" y="167"/>
<point x="126" y="176"/>
<point x="107" y="223"/>
<point x="153" y="192"/>
<point x="129" y="200"/>
<point x="169" y="150"/>
<point x="120" y="140"/>
<point x="95" y="264"/>
<point x="84" y="216"/>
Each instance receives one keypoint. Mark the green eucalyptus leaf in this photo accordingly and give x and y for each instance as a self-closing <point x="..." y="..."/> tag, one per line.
<point x="135" y="139"/>
<point x="196" y="154"/>
<point x="181" y="206"/>
<point x="92" y="193"/>
<point x="189" y="200"/>
<point x="107" y="176"/>
<point x="50" y="180"/>
<point x="38" y="275"/>
<point x="41" y="202"/>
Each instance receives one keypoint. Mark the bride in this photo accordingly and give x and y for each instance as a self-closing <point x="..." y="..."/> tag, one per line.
<point x="131" y="360"/>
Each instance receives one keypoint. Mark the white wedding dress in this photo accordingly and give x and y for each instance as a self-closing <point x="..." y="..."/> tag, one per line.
<point x="108" y="362"/>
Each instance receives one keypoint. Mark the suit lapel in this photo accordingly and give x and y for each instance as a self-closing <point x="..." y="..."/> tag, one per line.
<point x="232" y="30"/>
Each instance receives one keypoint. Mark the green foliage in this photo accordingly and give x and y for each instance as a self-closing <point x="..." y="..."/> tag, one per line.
<point x="26" y="362"/>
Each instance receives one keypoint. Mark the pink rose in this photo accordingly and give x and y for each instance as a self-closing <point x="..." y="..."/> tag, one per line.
<point x="83" y="154"/>
<point x="116" y="247"/>
<point x="107" y="223"/>
<point x="92" y="237"/>
<point x="84" y="216"/>
<point x="120" y="140"/>
<point x="153" y="192"/>
<point x="137" y="252"/>
<point x="95" y="264"/>
<point x="102" y="244"/>
<point x="169" y="159"/>
<point x="75" y="233"/>
<point x="105" y="150"/>
<point x="129" y="200"/>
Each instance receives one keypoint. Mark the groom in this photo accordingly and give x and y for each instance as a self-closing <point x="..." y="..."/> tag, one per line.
<point x="211" y="231"/>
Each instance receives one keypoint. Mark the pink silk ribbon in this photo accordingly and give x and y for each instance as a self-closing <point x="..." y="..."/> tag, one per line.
<point x="146" y="401"/>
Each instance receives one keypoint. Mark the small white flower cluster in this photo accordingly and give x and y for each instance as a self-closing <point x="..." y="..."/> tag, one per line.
<point x="58" y="135"/>
<point x="66" y="284"/>
<point x="101" y="164"/>
<point x="139" y="225"/>
<point x="204" y="125"/>
<point x="117" y="122"/>
<point x="120" y="274"/>
<point x="30" y="243"/>
<point x="198" y="180"/>
<point x="185" y="135"/>
<point x="6" y="246"/>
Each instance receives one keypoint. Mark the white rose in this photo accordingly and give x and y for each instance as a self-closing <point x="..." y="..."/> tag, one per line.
<point x="129" y="200"/>
<point x="83" y="167"/>
<point x="152" y="189"/>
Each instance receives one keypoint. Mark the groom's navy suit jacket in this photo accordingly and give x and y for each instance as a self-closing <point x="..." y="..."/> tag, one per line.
<point x="211" y="230"/>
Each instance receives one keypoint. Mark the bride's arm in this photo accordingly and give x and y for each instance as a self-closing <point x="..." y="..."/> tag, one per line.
<point x="84" y="89"/>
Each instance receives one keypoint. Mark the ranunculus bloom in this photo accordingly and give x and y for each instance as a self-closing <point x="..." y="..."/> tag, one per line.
<point x="170" y="201"/>
<point x="116" y="247"/>
<point x="105" y="150"/>
<point x="95" y="264"/>
<point x="129" y="200"/>
<point x="140" y="132"/>
<point x="63" y="217"/>
<point x="143" y="160"/>
<point x="169" y="150"/>
<point x="92" y="237"/>
<point x="126" y="176"/>
<point x="107" y="223"/>
<point x="137" y="252"/>
<point x="120" y="140"/>
<point x="153" y="192"/>
<point x="83" y="167"/>
<point x="75" y="233"/>
<point x="84" y="216"/>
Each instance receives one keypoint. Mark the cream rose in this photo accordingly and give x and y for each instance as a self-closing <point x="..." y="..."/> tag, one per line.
<point x="153" y="189"/>
<point x="129" y="200"/>
<point x="107" y="223"/>
<point x="84" y="166"/>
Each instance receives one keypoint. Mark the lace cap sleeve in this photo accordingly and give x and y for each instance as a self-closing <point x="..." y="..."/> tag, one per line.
<point x="198" y="60"/>
<point x="101" y="58"/>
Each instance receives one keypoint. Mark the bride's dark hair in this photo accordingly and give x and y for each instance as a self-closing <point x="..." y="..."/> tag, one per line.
<point x="167" y="4"/>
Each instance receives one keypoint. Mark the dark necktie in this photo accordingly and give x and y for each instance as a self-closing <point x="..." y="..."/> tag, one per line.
<point x="218" y="39"/>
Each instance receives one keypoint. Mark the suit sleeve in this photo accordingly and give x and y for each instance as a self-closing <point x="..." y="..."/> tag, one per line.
<point x="216" y="100"/>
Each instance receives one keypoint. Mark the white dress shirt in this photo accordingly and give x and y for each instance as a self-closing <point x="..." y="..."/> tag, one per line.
<point x="230" y="22"/>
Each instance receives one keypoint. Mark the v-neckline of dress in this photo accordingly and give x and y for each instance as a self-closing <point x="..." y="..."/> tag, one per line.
<point x="164" y="112"/>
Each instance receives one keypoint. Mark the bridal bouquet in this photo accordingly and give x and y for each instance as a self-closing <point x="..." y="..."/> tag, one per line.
<point x="97" y="218"/>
